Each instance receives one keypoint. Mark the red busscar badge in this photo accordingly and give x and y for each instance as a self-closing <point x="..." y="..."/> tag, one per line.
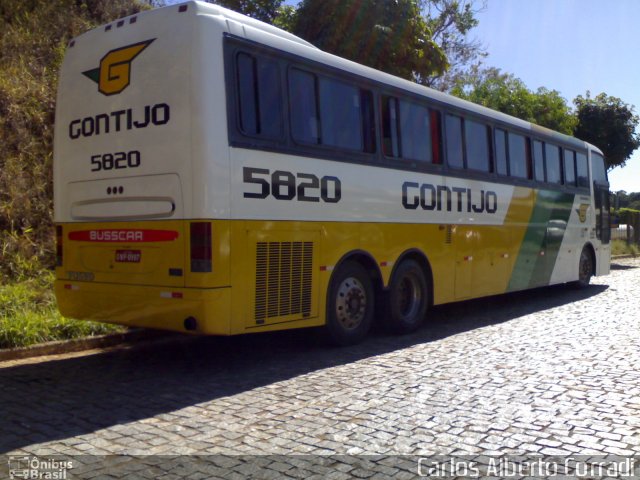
<point x="124" y="235"/>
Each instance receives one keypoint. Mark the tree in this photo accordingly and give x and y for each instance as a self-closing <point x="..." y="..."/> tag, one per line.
<point x="451" y="22"/>
<point x="508" y="94"/>
<point x="609" y="124"/>
<point x="264" y="10"/>
<point x="389" y="35"/>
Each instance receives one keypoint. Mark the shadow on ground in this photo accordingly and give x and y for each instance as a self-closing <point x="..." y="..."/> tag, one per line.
<point x="59" y="399"/>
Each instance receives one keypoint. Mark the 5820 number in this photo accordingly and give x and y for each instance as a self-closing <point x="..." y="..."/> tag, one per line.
<point x="283" y="185"/>
<point x="115" y="161"/>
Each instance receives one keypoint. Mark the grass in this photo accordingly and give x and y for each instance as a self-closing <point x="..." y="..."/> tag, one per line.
<point x="620" y="247"/>
<point x="28" y="315"/>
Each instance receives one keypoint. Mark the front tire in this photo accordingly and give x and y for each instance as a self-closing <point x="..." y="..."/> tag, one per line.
<point x="350" y="304"/>
<point x="408" y="298"/>
<point x="585" y="268"/>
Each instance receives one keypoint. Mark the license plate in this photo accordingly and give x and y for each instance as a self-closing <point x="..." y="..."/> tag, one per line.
<point x="128" y="256"/>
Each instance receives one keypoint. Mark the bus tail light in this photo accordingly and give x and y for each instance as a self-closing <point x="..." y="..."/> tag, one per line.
<point x="201" y="248"/>
<point x="59" y="245"/>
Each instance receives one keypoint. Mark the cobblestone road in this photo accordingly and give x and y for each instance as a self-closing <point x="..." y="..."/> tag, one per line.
<point x="553" y="371"/>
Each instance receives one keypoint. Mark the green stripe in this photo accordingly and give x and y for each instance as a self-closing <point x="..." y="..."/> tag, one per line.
<point x="546" y="230"/>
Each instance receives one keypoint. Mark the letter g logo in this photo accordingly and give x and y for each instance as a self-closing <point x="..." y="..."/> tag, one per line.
<point x="114" y="73"/>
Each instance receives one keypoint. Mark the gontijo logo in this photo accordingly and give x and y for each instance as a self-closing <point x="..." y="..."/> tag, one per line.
<point x="114" y="73"/>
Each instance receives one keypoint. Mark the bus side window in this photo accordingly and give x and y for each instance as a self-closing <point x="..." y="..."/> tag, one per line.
<point x="538" y="161"/>
<point x="368" y="121"/>
<point x="340" y="114"/>
<point x="415" y="132"/>
<point x="304" y="108"/>
<point x="477" y="144"/>
<point x="518" y="156"/>
<point x="569" y="168"/>
<point x="501" y="151"/>
<point x="390" y="127"/>
<point x="582" y="170"/>
<point x="552" y="163"/>
<point x="453" y="133"/>
<point x="259" y="95"/>
<point x="436" y="136"/>
<point x="247" y="94"/>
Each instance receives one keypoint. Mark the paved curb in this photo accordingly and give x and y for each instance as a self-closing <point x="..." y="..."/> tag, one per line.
<point x="80" y="344"/>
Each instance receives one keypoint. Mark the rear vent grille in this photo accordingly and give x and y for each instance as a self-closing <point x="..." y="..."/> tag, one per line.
<point x="283" y="279"/>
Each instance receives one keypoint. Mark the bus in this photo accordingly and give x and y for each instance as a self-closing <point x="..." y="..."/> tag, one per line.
<point x="216" y="175"/>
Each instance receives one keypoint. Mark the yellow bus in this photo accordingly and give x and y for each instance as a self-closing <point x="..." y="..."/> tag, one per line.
<point x="216" y="175"/>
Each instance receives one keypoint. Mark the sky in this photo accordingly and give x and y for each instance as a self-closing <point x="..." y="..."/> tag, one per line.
<point x="572" y="46"/>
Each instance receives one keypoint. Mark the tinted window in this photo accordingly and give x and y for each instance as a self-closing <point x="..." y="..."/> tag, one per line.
<point x="538" y="159"/>
<point x="304" y="113"/>
<point x="247" y="94"/>
<point x="552" y="154"/>
<point x="390" y="135"/>
<point x="340" y="115"/>
<point x="477" y="142"/>
<point x="453" y="132"/>
<point x="570" y="168"/>
<point x="415" y="133"/>
<point x="259" y="96"/>
<point x="598" y="169"/>
<point x="518" y="156"/>
<point x="436" y="137"/>
<point x="582" y="170"/>
<point x="501" y="151"/>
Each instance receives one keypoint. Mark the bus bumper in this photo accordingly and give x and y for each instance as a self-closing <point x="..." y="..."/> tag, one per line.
<point x="165" y="308"/>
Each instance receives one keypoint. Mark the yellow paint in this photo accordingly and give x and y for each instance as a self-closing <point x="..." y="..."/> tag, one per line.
<point x="466" y="261"/>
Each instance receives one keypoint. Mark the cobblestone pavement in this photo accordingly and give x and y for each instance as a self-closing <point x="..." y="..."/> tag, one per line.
<point x="555" y="371"/>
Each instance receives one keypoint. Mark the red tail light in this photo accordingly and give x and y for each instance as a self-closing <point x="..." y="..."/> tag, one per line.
<point x="59" y="245"/>
<point x="201" y="248"/>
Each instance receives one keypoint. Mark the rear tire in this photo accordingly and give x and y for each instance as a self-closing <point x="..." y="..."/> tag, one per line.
<point x="350" y="304"/>
<point x="408" y="298"/>
<point x="585" y="268"/>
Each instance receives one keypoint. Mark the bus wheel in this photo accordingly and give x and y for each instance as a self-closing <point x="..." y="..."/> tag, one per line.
<point x="585" y="268"/>
<point x="408" y="298"/>
<point x="350" y="304"/>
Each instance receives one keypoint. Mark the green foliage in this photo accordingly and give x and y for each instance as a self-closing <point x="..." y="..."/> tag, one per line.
<point x="264" y="10"/>
<point x="609" y="124"/>
<point x="28" y="315"/>
<point x="508" y="94"/>
<point x="621" y="247"/>
<point x="33" y="38"/>
<point x="623" y="199"/>
<point x="625" y="215"/>
<point x="450" y="22"/>
<point x="286" y="18"/>
<point x="389" y="35"/>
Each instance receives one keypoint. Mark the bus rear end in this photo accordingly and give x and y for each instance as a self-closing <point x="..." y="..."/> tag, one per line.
<point x="128" y="248"/>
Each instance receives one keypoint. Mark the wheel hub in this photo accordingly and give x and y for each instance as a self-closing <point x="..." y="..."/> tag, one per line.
<point x="351" y="303"/>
